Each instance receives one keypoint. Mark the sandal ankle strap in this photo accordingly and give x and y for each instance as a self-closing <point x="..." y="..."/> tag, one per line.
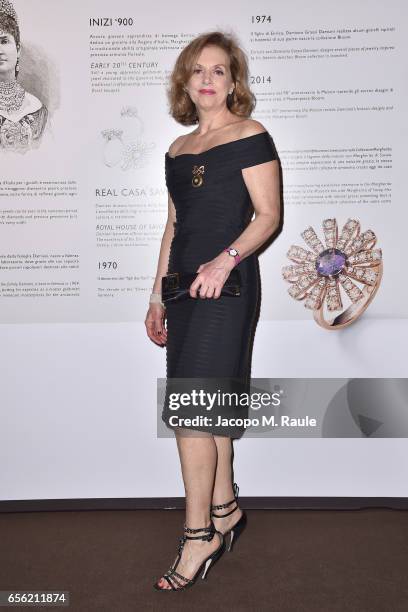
<point x="222" y="506"/>
<point x="226" y="514"/>
<point x="191" y="530"/>
<point x="209" y="533"/>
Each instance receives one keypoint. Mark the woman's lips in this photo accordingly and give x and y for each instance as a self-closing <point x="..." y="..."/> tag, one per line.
<point x="207" y="91"/>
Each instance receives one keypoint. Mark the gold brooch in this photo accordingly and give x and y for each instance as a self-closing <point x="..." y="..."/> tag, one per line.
<point x="198" y="172"/>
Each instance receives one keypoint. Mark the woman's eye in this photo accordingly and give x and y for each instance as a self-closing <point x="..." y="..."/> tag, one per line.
<point x="218" y="70"/>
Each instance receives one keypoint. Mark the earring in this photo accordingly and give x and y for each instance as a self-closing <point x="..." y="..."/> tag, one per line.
<point x="18" y="65"/>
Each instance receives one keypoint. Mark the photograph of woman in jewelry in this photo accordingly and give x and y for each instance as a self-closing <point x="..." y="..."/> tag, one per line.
<point x="218" y="176"/>
<point x="22" y="115"/>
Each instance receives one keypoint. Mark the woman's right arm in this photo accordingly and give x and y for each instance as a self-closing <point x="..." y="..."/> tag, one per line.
<point x="167" y="238"/>
<point x="155" y="315"/>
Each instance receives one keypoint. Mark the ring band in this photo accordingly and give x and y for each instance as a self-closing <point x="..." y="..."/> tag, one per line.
<point x="320" y="273"/>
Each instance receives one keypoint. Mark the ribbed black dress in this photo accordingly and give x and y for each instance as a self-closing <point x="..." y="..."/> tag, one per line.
<point x="209" y="338"/>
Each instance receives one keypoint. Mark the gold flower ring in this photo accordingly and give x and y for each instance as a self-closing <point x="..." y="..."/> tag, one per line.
<point x="326" y="275"/>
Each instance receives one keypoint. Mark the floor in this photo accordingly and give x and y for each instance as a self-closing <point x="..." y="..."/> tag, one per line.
<point x="285" y="561"/>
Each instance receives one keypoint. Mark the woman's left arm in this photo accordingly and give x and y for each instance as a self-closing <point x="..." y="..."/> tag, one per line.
<point x="263" y="184"/>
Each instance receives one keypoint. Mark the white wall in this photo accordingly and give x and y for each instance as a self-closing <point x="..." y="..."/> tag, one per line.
<point x="78" y="417"/>
<point x="78" y="374"/>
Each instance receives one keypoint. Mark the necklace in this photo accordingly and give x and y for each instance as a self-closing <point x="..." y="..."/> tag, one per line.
<point x="11" y="96"/>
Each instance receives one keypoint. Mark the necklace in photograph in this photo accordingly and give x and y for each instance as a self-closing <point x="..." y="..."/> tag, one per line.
<point x="11" y="96"/>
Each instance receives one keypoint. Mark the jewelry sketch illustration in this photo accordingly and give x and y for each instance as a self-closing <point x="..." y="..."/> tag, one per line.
<point x="123" y="146"/>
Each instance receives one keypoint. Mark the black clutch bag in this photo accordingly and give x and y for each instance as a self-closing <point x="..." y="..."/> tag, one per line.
<point x="176" y="286"/>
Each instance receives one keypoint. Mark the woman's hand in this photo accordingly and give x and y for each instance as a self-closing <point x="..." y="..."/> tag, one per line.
<point x="155" y="324"/>
<point x="212" y="276"/>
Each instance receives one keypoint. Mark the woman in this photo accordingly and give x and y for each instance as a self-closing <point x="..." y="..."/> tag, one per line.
<point x="209" y="231"/>
<point x="22" y="116"/>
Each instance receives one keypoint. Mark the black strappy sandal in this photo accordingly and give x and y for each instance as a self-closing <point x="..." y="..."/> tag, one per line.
<point x="177" y="581"/>
<point x="239" y="526"/>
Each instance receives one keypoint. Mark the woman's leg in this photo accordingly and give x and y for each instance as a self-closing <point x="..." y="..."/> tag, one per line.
<point x="198" y="457"/>
<point x="223" y="491"/>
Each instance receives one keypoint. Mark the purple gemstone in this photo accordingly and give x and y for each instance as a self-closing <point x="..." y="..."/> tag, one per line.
<point x="330" y="262"/>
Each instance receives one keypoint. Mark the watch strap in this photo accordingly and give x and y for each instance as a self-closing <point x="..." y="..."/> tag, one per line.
<point x="236" y="257"/>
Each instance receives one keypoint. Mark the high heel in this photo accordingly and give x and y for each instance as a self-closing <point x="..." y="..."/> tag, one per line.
<point x="236" y="530"/>
<point x="177" y="581"/>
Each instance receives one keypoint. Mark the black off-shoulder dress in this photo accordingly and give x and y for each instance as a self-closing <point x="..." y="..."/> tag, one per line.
<point x="209" y="338"/>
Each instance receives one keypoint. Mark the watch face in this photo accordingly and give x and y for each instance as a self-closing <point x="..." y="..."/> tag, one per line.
<point x="233" y="252"/>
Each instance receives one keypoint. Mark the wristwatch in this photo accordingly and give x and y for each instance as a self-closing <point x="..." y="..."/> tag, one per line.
<point x="234" y="253"/>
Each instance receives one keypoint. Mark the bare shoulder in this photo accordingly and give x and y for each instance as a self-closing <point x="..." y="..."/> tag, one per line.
<point x="250" y="127"/>
<point x="177" y="144"/>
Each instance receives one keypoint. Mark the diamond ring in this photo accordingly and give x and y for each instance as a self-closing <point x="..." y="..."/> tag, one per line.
<point x="325" y="276"/>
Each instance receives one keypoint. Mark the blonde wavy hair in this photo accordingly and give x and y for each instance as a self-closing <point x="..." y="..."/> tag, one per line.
<point x="241" y="102"/>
